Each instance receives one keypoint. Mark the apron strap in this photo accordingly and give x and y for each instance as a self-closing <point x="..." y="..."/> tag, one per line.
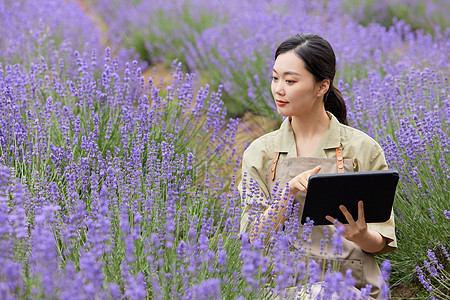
<point x="339" y="160"/>
<point x="274" y="166"/>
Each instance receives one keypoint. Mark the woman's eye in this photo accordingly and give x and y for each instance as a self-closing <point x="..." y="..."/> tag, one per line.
<point x="290" y="81"/>
<point x="274" y="78"/>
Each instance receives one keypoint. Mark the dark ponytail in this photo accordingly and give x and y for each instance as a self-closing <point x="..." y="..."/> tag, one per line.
<point x="334" y="103"/>
<point x="320" y="60"/>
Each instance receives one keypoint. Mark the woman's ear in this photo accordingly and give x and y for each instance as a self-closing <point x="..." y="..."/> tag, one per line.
<point x="324" y="86"/>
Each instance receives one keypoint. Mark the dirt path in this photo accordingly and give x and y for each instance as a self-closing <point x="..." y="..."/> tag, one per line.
<point x="160" y="74"/>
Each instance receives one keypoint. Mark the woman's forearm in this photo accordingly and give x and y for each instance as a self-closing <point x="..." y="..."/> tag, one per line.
<point x="273" y="217"/>
<point x="371" y="242"/>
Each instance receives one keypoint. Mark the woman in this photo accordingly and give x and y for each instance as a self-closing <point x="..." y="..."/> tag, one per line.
<point x="313" y="138"/>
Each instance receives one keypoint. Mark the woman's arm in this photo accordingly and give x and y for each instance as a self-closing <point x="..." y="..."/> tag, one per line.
<point x="275" y="216"/>
<point x="357" y="231"/>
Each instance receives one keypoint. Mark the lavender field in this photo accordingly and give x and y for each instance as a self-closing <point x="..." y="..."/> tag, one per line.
<point x="116" y="186"/>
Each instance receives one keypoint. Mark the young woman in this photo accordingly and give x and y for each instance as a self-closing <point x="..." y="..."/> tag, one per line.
<point x="314" y="137"/>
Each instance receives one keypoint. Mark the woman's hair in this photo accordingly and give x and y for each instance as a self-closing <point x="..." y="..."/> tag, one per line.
<point x="320" y="60"/>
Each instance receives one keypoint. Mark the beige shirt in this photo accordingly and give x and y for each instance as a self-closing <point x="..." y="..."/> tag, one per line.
<point x="365" y="153"/>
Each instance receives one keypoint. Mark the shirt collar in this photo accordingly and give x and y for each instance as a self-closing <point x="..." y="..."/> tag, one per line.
<point x="285" y="141"/>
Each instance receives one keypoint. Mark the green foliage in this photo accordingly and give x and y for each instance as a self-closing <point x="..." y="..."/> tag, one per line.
<point x="169" y="33"/>
<point x="254" y="88"/>
<point x="421" y="15"/>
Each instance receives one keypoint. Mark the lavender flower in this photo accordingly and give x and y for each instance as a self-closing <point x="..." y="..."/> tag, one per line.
<point x="365" y="292"/>
<point x="447" y="214"/>
<point x="222" y="254"/>
<point x="207" y="289"/>
<point x="336" y="240"/>
<point x="432" y="215"/>
<point x="333" y="282"/>
<point x="424" y="280"/>
<point x="444" y="250"/>
<point x="385" y="274"/>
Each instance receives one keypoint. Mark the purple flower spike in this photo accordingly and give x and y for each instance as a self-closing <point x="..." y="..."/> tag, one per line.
<point x="207" y="289"/>
<point x="424" y="280"/>
<point x="447" y="214"/>
<point x="365" y="292"/>
<point x="336" y="240"/>
<point x="333" y="284"/>
<point x="385" y="274"/>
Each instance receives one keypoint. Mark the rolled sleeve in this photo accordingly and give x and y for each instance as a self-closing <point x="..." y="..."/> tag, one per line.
<point x="386" y="229"/>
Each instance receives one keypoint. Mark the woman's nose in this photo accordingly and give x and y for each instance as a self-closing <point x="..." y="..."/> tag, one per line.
<point x="278" y="88"/>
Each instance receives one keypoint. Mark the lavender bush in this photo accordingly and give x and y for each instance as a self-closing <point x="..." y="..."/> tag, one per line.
<point x="110" y="188"/>
<point x="236" y="47"/>
<point x="430" y="16"/>
<point x="160" y="30"/>
<point x="409" y="114"/>
<point x="395" y="82"/>
<point x="434" y="275"/>
<point x="32" y="31"/>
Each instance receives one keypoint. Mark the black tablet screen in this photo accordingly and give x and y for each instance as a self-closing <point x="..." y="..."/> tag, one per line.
<point x="327" y="191"/>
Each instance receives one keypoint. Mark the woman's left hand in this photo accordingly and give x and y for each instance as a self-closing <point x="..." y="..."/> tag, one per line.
<point x="357" y="231"/>
<point x="354" y="230"/>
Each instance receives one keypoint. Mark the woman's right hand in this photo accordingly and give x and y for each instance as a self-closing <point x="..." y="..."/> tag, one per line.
<point x="300" y="182"/>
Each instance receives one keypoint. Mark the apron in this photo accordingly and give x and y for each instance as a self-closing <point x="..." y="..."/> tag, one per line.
<point x="364" y="267"/>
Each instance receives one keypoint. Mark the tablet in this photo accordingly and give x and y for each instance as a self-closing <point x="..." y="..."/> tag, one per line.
<point x="327" y="191"/>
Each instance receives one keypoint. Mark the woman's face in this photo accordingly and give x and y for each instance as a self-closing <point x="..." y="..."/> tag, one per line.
<point x="293" y="87"/>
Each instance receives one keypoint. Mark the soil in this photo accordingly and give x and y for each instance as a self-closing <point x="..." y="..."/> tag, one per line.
<point x="160" y="73"/>
<point x="402" y="292"/>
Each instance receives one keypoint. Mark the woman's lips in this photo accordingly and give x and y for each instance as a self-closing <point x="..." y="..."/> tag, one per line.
<point x="281" y="103"/>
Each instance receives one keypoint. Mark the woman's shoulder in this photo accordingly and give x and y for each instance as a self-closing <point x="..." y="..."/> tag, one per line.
<point x="258" y="154"/>
<point x="352" y="137"/>
<point x="367" y="154"/>
<point x="263" y="144"/>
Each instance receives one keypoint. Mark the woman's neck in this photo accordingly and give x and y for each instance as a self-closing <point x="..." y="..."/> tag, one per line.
<point x="308" y="131"/>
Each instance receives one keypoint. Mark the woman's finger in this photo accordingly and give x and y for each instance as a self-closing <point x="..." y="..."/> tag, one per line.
<point x="330" y="218"/>
<point x="308" y="174"/>
<point x="314" y="170"/>
<point x="295" y="186"/>
<point x="347" y="214"/>
<point x="303" y="182"/>
<point x="300" y="182"/>
<point x="361" y="216"/>
<point x="301" y="188"/>
<point x="333" y="220"/>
